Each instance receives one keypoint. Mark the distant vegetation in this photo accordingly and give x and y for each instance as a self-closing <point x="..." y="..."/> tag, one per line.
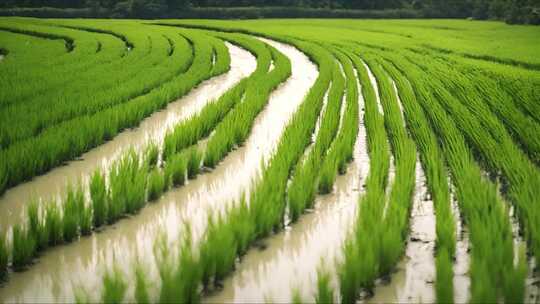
<point x="511" y="11"/>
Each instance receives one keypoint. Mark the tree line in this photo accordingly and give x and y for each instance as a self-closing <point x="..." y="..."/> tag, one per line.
<point x="512" y="11"/>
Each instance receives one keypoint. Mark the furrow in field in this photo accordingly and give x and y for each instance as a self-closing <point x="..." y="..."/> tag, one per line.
<point x="392" y="167"/>
<point x="414" y="276"/>
<point x="289" y="260"/>
<point x="152" y="129"/>
<point x="134" y="237"/>
<point x="127" y="44"/>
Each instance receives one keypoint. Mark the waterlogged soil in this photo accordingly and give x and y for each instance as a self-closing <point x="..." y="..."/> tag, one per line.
<point x="289" y="260"/>
<point x="132" y="239"/>
<point x="413" y="281"/>
<point x="151" y="129"/>
<point x="462" y="280"/>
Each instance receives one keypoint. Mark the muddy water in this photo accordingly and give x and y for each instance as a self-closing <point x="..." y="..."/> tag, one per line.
<point x="462" y="280"/>
<point x="413" y="281"/>
<point x="131" y="239"/>
<point x="291" y="258"/>
<point x="532" y="281"/>
<point x="153" y="128"/>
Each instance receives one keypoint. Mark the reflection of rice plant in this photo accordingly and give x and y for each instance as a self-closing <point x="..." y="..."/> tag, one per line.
<point x="324" y="294"/>
<point x="141" y="285"/>
<point x="180" y="281"/>
<point x="114" y="287"/>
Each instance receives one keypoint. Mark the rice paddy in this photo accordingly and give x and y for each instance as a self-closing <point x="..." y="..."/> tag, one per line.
<point x="254" y="161"/>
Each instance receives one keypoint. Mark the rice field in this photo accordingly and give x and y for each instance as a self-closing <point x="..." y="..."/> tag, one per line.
<point x="305" y="161"/>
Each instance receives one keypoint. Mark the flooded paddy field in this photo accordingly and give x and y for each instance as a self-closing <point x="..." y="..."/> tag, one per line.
<point x="176" y="161"/>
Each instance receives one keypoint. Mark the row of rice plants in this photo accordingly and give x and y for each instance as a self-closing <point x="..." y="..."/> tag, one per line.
<point x="341" y="150"/>
<point x="358" y="268"/>
<point x="436" y="174"/>
<point x="372" y="252"/>
<point x="501" y="155"/>
<point x="521" y="126"/>
<point x="94" y="93"/>
<point x="134" y="179"/>
<point x="235" y="128"/>
<point x="69" y="139"/>
<point x="303" y="185"/>
<point x="493" y="272"/>
<point x="197" y="127"/>
<point x="229" y="235"/>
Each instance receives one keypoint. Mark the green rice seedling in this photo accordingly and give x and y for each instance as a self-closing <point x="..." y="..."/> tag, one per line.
<point x="141" y="285"/>
<point x="194" y="162"/>
<point x="128" y="181"/>
<point x="235" y="127"/>
<point x="4" y="258"/>
<point x="114" y="287"/>
<point x="433" y="162"/>
<point x="475" y="194"/>
<point x="303" y="186"/>
<point x="216" y="263"/>
<point x="54" y="224"/>
<point x="175" y="170"/>
<point x="73" y="207"/>
<point x="324" y="294"/>
<point x="341" y="151"/>
<point x="99" y="197"/>
<point x="85" y="220"/>
<point x="37" y="227"/>
<point x="23" y="248"/>
<point x="151" y="155"/>
<point x="156" y="184"/>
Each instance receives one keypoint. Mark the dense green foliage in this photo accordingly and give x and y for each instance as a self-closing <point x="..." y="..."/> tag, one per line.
<point x="442" y="96"/>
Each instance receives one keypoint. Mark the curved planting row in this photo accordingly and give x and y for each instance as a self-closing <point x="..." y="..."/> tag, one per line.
<point x="44" y="139"/>
<point x="138" y="178"/>
<point x="253" y="189"/>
